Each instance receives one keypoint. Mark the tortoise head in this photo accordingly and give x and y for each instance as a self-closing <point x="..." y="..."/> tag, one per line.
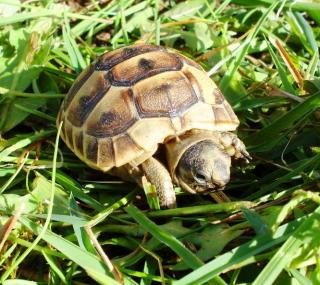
<point x="203" y="168"/>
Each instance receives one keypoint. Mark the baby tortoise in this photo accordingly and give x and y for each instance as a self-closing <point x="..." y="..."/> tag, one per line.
<point x="134" y="100"/>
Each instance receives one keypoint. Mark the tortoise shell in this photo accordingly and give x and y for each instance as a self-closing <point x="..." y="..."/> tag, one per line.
<point x="132" y="99"/>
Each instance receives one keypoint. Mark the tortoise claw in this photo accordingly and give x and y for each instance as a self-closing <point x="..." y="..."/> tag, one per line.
<point x="234" y="147"/>
<point x="245" y="156"/>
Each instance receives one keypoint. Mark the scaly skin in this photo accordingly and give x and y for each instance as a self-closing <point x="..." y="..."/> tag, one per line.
<point x="204" y="166"/>
<point x="159" y="176"/>
<point x="234" y="146"/>
<point x="156" y="174"/>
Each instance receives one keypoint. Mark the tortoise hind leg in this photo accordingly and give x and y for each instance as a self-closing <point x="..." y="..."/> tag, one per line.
<point x="159" y="176"/>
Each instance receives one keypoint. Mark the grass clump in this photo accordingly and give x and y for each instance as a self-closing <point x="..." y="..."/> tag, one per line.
<point x="64" y="223"/>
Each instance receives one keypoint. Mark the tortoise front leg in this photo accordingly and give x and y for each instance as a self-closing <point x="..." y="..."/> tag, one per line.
<point x="158" y="175"/>
<point x="234" y="146"/>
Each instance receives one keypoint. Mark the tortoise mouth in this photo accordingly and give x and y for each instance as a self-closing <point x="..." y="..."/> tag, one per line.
<point x="195" y="188"/>
<point x="208" y="190"/>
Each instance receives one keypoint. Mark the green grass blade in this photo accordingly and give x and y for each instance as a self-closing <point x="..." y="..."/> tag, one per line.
<point x="313" y="66"/>
<point x="304" y="166"/>
<point x="294" y="5"/>
<point x="70" y="185"/>
<point x="55" y="267"/>
<point x="19" y="282"/>
<point x="123" y="23"/>
<point x="303" y="280"/>
<point x="26" y="16"/>
<point x="256" y="221"/>
<point x="14" y="175"/>
<point x="308" y="231"/>
<point x="101" y="278"/>
<point x="307" y="32"/>
<point x="24" y="142"/>
<point x="239" y="254"/>
<point x="73" y="252"/>
<point x="50" y="209"/>
<point x="194" y="210"/>
<point x="107" y="211"/>
<point x="287" y="121"/>
<point x="75" y="55"/>
<point x="189" y="258"/>
<point x="36" y="113"/>
<point x="281" y="70"/>
<point x="163" y="236"/>
<point x="235" y="64"/>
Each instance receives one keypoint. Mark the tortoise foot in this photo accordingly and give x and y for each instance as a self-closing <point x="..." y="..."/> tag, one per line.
<point x="234" y="147"/>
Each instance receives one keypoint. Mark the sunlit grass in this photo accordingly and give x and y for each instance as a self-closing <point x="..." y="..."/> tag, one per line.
<point x="264" y="56"/>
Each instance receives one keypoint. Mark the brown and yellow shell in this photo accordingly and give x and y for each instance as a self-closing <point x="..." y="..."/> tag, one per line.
<point x="132" y="99"/>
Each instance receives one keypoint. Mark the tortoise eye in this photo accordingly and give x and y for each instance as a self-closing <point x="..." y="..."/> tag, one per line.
<point x="200" y="178"/>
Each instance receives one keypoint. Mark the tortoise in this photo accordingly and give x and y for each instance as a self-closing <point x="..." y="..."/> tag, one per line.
<point x="147" y="110"/>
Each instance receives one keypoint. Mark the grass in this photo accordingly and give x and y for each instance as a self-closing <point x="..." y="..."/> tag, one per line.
<point x="64" y="223"/>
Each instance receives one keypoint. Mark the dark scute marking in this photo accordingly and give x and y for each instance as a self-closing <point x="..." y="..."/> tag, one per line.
<point x="129" y="52"/>
<point x="218" y="96"/>
<point x="92" y="149"/>
<point x="111" y="59"/>
<point x="108" y="117"/>
<point x="116" y="120"/>
<point x="220" y="115"/>
<point x="78" y="114"/>
<point x="81" y="79"/>
<point x="146" y="64"/>
<point x="144" y="75"/>
<point x="79" y="142"/>
<point x="189" y="61"/>
<point x="132" y="71"/>
<point x="106" y="152"/>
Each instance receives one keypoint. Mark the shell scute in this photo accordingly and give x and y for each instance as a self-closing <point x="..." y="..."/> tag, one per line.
<point x="106" y="157"/>
<point x="91" y="92"/>
<point x="188" y="61"/>
<point x="143" y="66"/>
<point x="149" y="132"/>
<point x="112" y="58"/>
<point x="219" y="99"/>
<point x="231" y="113"/>
<point x="78" y="141"/>
<point x="80" y="81"/>
<point x="68" y="133"/>
<point x="168" y="96"/>
<point x="91" y="149"/>
<point x="125" y="149"/>
<point x="114" y="114"/>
